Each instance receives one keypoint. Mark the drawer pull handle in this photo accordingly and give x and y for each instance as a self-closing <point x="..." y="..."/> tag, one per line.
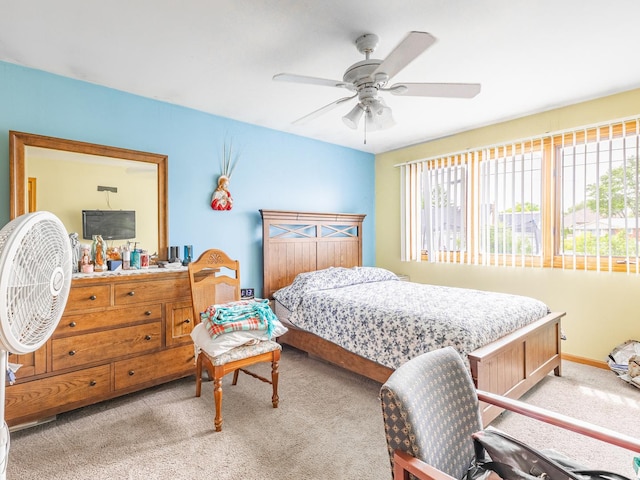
<point x="72" y="324"/>
<point x="93" y="383"/>
<point x="147" y="313"/>
<point x="188" y="320"/>
<point x="92" y="297"/>
<point x="131" y="293"/>
<point x="147" y="337"/>
<point x="131" y="373"/>
<point x="72" y="353"/>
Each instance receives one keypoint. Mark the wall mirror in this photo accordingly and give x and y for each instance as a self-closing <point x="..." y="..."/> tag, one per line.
<point x="66" y="177"/>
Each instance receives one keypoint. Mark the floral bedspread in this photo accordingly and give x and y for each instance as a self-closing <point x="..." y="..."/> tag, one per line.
<point x="375" y="315"/>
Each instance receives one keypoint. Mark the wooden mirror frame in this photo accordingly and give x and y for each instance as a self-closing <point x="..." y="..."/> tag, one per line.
<point x="17" y="181"/>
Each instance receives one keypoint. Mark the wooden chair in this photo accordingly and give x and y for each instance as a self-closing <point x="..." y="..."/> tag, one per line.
<point x="210" y="284"/>
<point x="431" y="407"/>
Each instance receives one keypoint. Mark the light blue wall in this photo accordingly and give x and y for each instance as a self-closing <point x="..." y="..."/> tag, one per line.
<point x="276" y="170"/>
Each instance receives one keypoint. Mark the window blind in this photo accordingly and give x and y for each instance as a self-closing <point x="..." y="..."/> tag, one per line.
<point x="599" y="221"/>
<point x="569" y="199"/>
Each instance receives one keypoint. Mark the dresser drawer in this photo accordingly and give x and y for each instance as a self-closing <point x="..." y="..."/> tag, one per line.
<point x="174" y="362"/>
<point x="33" y="363"/>
<point x="88" y="348"/>
<point x="29" y="398"/>
<point x="91" y="296"/>
<point x="180" y="322"/>
<point x="74" y="324"/>
<point x="151" y="291"/>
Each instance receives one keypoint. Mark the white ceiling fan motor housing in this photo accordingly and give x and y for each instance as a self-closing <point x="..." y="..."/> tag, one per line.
<point x="360" y="72"/>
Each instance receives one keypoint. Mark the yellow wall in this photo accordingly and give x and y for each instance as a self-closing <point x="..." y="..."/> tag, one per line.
<point x="74" y="188"/>
<point x="603" y="309"/>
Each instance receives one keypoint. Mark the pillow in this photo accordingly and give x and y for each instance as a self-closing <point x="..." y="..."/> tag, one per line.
<point x="371" y="274"/>
<point x="225" y="342"/>
<point x="328" y="278"/>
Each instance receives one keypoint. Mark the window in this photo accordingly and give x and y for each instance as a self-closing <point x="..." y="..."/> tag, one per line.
<point x="510" y="199"/>
<point x="598" y="198"/>
<point x="437" y="208"/>
<point x="444" y="212"/>
<point x="568" y="200"/>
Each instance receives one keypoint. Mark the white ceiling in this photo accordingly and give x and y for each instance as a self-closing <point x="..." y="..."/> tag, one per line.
<point x="219" y="56"/>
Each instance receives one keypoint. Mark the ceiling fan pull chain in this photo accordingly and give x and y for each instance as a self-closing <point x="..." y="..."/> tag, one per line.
<point x="365" y="128"/>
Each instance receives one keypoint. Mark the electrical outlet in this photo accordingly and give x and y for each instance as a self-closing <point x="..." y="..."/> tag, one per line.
<point x="246" y="293"/>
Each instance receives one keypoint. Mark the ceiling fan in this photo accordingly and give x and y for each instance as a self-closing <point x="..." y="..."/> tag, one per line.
<point x="368" y="77"/>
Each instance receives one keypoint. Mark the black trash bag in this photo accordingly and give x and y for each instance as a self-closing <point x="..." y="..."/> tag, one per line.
<point x="511" y="459"/>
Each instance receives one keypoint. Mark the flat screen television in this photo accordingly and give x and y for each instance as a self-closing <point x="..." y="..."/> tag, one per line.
<point x="111" y="224"/>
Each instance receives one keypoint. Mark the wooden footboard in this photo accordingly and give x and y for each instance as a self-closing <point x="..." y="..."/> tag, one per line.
<point x="515" y="363"/>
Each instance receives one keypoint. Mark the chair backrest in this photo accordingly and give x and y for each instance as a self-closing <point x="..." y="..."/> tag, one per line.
<point x="430" y="410"/>
<point x="214" y="278"/>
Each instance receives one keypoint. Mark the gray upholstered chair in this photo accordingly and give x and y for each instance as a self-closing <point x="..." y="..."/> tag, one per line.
<point x="430" y="409"/>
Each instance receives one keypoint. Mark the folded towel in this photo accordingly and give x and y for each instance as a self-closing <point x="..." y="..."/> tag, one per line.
<point x="254" y="314"/>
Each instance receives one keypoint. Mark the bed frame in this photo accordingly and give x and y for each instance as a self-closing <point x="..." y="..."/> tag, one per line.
<point x="295" y="242"/>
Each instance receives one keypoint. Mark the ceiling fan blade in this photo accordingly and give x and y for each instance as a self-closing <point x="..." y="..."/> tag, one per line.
<point x="290" y="77"/>
<point x="456" y="90"/>
<point x="407" y="50"/>
<point x="322" y="110"/>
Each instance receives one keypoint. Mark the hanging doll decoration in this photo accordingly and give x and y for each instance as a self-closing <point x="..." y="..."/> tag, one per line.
<point x="221" y="199"/>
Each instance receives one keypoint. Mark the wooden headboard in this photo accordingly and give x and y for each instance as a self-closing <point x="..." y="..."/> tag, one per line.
<point x="295" y="242"/>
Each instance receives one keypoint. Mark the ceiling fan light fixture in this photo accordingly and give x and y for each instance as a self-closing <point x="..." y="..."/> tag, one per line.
<point x="352" y="118"/>
<point x="380" y="119"/>
<point x="376" y="106"/>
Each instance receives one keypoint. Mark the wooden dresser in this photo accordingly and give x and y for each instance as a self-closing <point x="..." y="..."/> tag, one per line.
<point x="119" y="333"/>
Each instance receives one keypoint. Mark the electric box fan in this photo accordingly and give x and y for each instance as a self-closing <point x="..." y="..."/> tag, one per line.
<point x="35" y="277"/>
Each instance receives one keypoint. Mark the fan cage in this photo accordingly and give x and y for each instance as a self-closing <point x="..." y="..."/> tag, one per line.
<point x="35" y="278"/>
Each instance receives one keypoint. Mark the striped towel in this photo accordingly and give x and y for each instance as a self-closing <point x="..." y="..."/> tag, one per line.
<point x="243" y="315"/>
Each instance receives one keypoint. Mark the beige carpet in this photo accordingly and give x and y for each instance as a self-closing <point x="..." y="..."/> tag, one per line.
<point x="591" y="394"/>
<point x="328" y="426"/>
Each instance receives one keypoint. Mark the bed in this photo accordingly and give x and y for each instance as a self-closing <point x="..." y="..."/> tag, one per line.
<point x="506" y="361"/>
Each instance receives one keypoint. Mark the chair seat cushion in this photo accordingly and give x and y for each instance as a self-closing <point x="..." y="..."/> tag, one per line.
<point x="224" y="343"/>
<point x="245" y="351"/>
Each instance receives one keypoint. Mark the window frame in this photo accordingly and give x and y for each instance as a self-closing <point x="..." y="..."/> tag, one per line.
<point x="551" y="188"/>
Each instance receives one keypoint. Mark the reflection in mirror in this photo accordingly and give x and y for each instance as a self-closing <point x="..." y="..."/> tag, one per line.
<point x="66" y="177"/>
<point x="66" y="183"/>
